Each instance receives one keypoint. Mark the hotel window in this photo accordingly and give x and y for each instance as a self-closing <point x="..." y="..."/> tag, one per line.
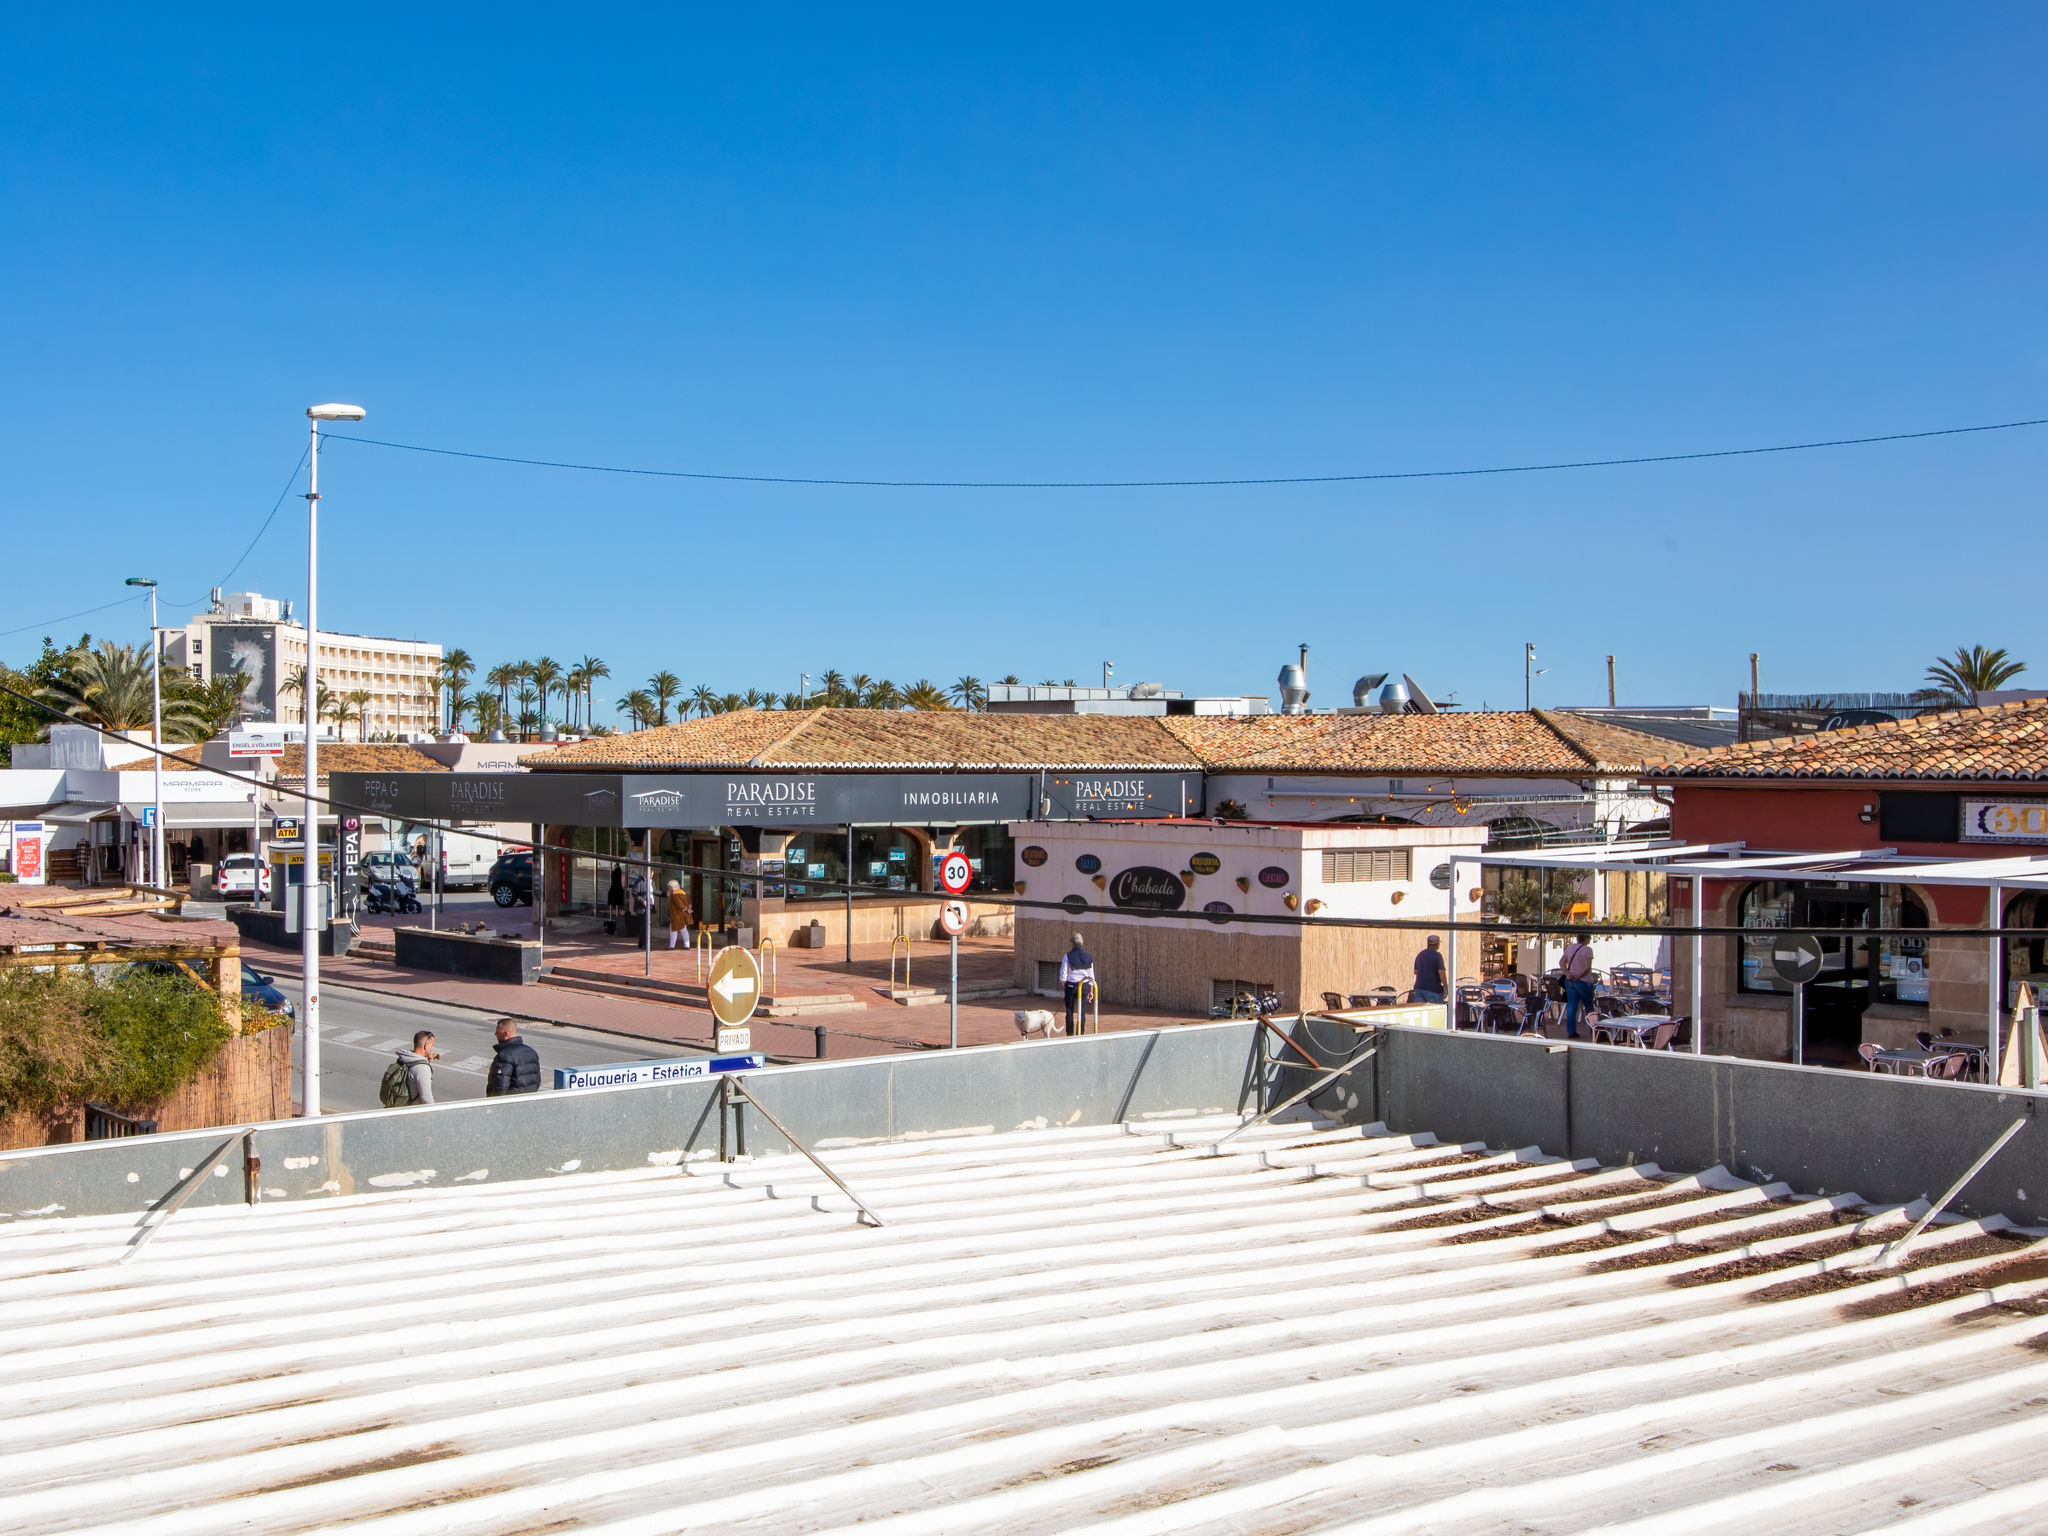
<point x="1345" y="865"/>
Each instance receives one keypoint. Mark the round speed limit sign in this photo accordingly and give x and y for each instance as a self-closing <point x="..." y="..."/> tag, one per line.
<point x="955" y="873"/>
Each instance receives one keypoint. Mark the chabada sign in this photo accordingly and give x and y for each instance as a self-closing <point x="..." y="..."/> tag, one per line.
<point x="2005" y="821"/>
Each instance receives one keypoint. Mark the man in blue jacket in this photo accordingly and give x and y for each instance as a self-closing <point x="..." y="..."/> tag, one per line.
<point x="516" y="1067"/>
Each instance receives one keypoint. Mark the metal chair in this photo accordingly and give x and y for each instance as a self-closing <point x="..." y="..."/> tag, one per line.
<point x="1868" y="1051"/>
<point x="1499" y="1018"/>
<point x="1660" y="1038"/>
<point x="1334" y="1001"/>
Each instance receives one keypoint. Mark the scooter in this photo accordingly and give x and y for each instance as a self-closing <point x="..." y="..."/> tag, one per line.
<point x="391" y="896"/>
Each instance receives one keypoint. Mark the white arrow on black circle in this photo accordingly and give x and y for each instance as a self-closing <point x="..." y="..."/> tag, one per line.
<point x="1801" y="956"/>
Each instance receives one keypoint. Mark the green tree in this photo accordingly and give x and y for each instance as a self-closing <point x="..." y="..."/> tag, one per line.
<point x="925" y="694"/>
<point x="1973" y="670"/>
<point x="217" y="703"/>
<point x="704" y="699"/>
<point x="22" y="720"/>
<point x="546" y="673"/>
<point x="968" y="693"/>
<point x="593" y="669"/>
<point x="109" y="685"/>
<point x="663" y="687"/>
<point x="639" y="705"/>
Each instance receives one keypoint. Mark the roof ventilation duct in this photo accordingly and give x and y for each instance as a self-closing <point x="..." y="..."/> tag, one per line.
<point x="1294" y="686"/>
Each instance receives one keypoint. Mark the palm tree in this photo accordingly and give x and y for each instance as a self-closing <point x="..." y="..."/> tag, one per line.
<point x="703" y="700"/>
<point x="792" y="701"/>
<point x="925" y="694"/>
<point x="756" y="698"/>
<point x="884" y="695"/>
<point x="967" y="693"/>
<point x="663" y="686"/>
<point x="831" y="688"/>
<point x="640" y="705"/>
<point x="727" y="703"/>
<point x="1010" y="681"/>
<point x="546" y="673"/>
<point x="357" y="698"/>
<point x="490" y="713"/>
<point x="108" y="685"/>
<point x="592" y="669"/>
<point x="1973" y="670"/>
<point x="453" y="674"/>
<point x="216" y="704"/>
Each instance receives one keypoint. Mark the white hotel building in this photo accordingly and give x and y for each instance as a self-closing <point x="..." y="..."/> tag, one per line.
<point x="254" y="634"/>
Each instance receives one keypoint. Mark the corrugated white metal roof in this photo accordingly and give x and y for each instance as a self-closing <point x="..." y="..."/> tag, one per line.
<point x="1085" y="1330"/>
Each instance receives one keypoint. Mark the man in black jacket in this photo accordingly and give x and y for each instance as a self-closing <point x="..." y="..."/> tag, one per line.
<point x="516" y="1067"/>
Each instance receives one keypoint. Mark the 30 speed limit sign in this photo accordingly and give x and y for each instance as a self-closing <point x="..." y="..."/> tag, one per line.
<point x="955" y="874"/>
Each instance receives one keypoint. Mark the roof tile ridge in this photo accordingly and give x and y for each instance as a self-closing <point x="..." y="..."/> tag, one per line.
<point x="782" y="741"/>
<point x="1544" y="716"/>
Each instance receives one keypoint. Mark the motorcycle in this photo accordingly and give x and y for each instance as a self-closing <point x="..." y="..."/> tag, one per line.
<point x="382" y="895"/>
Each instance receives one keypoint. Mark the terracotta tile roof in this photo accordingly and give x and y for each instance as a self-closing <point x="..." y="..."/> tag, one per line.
<point x="1999" y="743"/>
<point x="183" y="758"/>
<point x="358" y="757"/>
<point x="880" y="738"/>
<point x="1509" y="742"/>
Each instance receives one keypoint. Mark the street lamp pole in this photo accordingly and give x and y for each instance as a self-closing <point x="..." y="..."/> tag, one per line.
<point x="309" y="698"/>
<point x="157" y="877"/>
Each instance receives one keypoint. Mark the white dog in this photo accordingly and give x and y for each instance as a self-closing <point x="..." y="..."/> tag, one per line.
<point x="1034" y="1021"/>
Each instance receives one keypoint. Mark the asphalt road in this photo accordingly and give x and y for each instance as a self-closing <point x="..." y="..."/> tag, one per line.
<point x="360" y="1031"/>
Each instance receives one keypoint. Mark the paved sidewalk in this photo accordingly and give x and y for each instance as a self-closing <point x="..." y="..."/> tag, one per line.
<point x="880" y="1028"/>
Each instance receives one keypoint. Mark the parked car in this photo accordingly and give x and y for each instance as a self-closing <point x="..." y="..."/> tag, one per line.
<point x="239" y="876"/>
<point x="261" y="991"/>
<point x="512" y="879"/>
<point x="391" y="865"/>
<point x="258" y="989"/>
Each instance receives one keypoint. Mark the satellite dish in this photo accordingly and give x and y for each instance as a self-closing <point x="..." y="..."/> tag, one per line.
<point x="1418" y="701"/>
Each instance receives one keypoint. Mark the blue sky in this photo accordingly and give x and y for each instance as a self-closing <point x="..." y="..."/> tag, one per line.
<point x="1052" y="244"/>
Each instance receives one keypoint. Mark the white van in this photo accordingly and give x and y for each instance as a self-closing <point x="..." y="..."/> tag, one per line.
<point x="465" y="860"/>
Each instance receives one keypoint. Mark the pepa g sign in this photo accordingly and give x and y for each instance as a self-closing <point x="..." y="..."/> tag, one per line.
<point x="2005" y="821"/>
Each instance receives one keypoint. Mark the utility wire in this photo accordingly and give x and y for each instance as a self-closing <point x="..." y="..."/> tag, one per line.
<point x="1475" y="924"/>
<point x="1129" y="485"/>
<point x="66" y="618"/>
<point x="271" y="517"/>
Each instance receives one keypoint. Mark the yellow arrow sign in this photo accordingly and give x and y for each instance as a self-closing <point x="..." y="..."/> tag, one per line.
<point x="735" y="986"/>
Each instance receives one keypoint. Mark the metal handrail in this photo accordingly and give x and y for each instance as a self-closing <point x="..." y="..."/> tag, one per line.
<point x="1310" y="1091"/>
<point x="904" y="940"/>
<point x="1897" y="1246"/>
<point x="735" y="1083"/>
<point x="184" y="1192"/>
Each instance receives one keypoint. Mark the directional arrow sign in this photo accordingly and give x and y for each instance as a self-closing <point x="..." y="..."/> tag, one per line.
<point x="735" y="986"/>
<point x="1797" y="957"/>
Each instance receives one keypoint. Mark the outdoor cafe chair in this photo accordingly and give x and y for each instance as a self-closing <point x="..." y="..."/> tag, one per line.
<point x="1500" y="1018"/>
<point x="1949" y="1068"/>
<point x="1334" y="1001"/>
<point x="1868" y="1051"/>
<point x="1660" y="1038"/>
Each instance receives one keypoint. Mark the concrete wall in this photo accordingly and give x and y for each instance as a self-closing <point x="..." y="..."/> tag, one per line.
<point x="1096" y="1080"/>
<point x="1888" y="1139"/>
<point x="516" y="961"/>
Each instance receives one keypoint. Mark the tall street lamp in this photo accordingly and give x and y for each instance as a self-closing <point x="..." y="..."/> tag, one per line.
<point x="156" y="735"/>
<point x="309" y="882"/>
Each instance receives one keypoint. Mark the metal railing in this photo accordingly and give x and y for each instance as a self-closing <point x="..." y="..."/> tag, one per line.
<point x="734" y="1085"/>
<point x="104" y="1124"/>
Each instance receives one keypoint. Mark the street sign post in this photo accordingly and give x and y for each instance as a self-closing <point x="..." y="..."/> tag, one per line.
<point x="955" y="873"/>
<point x="1796" y="957"/>
<point x="735" y="989"/>
<point x="680" y="1069"/>
<point x="953" y="918"/>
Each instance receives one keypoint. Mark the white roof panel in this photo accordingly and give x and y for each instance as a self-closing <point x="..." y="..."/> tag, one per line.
<point x="1317" y="1329"/>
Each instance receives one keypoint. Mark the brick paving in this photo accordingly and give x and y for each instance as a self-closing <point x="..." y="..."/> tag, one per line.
<point x="878" y="1028"/>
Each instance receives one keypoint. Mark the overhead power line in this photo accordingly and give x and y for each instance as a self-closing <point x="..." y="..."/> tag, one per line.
<point x="1133" y="485"/>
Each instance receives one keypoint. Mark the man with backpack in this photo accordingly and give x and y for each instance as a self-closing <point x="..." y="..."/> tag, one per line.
<point x="410" y="1079"/>
<point x="516" y="1067"/>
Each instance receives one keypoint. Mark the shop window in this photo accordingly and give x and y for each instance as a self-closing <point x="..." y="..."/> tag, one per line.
<point x="993" y="854"/>
<point x="1347" y="865"/>
<point x="1902" y="961"/>
<point x="2026" y="959"/>
<point x="1766" y="905"/>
